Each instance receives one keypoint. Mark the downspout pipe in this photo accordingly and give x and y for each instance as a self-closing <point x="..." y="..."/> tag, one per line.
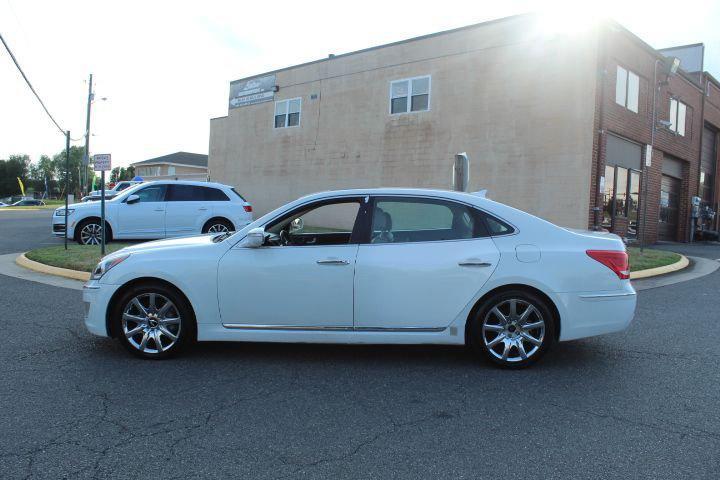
<point x="602" y="75"/>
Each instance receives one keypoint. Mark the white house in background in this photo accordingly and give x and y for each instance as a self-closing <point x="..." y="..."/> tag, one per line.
<point x="175" y="166"/>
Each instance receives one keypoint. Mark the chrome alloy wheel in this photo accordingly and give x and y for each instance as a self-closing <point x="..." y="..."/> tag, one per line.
<point x="151" y="323"/>
<point x="91" y="234"/>
<point x="218" y="228"/>
<point x="513" y="330"/>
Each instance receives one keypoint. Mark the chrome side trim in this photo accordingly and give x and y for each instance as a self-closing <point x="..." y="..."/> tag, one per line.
<point x="608" y="295"/>
<point x="242" y="326"/>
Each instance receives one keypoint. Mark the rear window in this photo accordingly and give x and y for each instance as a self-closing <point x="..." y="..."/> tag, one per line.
<point x="236" y="193"/>
<point x="215" y="195"/>
<point x="497" y="227"/>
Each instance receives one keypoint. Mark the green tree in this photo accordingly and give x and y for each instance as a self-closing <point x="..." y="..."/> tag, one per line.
<point x="74" y="168"/>
<point x="16" y="166"/>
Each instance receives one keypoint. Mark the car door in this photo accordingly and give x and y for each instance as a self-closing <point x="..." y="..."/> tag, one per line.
<point x="186" y="210"/>
<point x="144" y="218"/>
<point x="426" y="260"/>
<point x="303" y="277"/>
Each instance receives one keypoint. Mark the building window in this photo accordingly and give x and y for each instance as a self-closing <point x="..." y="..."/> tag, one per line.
<point x="410" y="95"/>
<point x="171" y="170"/>
<point x="608" y="194"/>
<point x="627" y="89"/>
<point x="287" y="113"/>
<point x="621" y="196"/>
<point x="678" y="111"/>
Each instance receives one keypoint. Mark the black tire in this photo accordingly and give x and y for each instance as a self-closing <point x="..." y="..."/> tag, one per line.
<point x="184" y="329"/>
<point x="217" y="225"/>
<point x="492" y="343"/>
<point x="92" y="223"/>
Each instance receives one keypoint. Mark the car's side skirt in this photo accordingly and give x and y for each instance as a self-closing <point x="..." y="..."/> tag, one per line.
<point x="454" y="334"/>
<point x="330" y="328"/>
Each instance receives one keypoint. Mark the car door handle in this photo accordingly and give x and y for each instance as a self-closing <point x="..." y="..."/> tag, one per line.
<point x="332" y="261"/>
<point x="202" y="209"/>
<point x="159" y="209"/>
<point x="474" y="262"/>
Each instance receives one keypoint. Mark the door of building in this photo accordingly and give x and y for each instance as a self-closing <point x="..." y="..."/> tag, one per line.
<point x="669" y="208"/>
<point x="708" y="157"/>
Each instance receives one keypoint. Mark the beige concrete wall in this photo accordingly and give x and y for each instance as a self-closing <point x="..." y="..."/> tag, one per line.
<point x="521" y="105"/>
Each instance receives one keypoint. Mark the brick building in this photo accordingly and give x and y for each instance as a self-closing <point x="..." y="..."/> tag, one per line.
<point x="556" y="124"/>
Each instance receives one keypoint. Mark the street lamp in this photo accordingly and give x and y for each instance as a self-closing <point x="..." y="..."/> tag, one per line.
<point x="671" y="65"/>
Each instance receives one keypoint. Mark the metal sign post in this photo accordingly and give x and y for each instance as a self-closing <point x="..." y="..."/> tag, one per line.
<point x="67" y="181"/>
<point x="101" y="163"/>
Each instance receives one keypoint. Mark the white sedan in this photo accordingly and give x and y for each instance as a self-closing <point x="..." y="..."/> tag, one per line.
<point x="156" y="210"/>
<point x="381" y="266"/>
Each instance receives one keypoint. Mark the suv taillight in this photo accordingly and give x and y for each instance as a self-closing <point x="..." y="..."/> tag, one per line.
<point x="615" y="260"/>
<point x="248" y="208"/>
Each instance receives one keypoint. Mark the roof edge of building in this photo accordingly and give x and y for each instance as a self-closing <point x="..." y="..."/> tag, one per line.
<point x="391" y="44"/>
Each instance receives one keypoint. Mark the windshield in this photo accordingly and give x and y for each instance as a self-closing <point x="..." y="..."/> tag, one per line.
<point x="127" y="192"/>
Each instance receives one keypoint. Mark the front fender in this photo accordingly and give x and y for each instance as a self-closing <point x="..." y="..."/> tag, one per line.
<point x="195" y="275"/>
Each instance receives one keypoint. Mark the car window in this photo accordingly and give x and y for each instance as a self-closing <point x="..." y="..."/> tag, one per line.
<point x="238" y="194"/>
<point x="195" y="193"/>
<point x="324" y="224"/>
<point x="403" y="220"/>
<point x="214" y="195"/>
<point x="185" y="193"/>
<point x="152" y="193"/>
<point x="497" y="227"/>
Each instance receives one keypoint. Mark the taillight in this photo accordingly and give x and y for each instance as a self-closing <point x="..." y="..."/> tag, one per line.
<point x="615" y="260"/>
<point x="248" y="208"/>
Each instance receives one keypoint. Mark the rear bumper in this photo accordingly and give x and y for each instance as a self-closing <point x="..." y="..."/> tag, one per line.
<point x="595" y="313"/>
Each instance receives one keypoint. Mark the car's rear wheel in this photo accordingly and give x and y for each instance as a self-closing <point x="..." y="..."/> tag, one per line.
<point x="153" y="321"/>
<point x="218" y="225"/>
<point x="89" y="232"/>
<point x="513" y="328"/>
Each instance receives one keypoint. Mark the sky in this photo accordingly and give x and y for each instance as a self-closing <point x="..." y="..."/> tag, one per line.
<point x="165" y="67"/>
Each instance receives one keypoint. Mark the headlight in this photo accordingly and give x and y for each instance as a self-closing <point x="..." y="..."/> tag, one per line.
<point x="61" y="212"/>
<point x="106" y="264"/>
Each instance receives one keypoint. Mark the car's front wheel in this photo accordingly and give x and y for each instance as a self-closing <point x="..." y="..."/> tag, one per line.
<point x="513" y="328"/>
<point x="153" y="321"/>
<point x="89" y="232"/>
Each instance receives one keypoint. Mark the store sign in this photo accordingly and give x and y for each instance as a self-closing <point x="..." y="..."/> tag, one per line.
<point x="101" y="162"/>
<point x="249" y="92"/>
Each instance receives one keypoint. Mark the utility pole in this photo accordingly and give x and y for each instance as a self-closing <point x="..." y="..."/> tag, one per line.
<point x="86" y="158"/>
<point x="67" y="181"/>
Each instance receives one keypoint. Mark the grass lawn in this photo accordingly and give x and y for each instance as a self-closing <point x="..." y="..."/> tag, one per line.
<point x="77" y="257"/>
<point x="650" y="258"/>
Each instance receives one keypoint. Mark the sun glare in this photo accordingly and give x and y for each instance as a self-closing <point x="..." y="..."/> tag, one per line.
<point x="567" y="19"/>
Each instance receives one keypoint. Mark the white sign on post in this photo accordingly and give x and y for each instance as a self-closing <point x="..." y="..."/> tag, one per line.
<point x="101" y="162"/>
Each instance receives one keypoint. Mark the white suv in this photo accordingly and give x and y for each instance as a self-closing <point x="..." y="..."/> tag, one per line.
<point x="157" y="210"/>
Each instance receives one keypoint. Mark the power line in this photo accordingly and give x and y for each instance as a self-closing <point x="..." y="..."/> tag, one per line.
<point x="30" y="84"/>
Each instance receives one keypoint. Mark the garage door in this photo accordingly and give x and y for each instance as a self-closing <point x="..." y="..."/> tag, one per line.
<point x="669" y="208"/>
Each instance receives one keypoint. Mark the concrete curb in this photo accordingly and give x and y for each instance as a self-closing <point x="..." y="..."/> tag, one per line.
<point x="653" y="272"/>
<point x="23" y="261"/>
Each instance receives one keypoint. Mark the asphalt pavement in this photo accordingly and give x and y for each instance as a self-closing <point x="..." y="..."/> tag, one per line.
<point x="639" y="404"/>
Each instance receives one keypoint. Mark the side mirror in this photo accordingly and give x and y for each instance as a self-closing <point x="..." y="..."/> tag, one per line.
<point x="297" y="224"/>
<point x="133" y="199"/>
<point x="254" y="239"/>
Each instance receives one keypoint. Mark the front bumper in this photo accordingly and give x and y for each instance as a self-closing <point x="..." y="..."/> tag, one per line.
<point x="58" y="226"/>
<point x="96" y="298"/>
<point x="595" y="313"/>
